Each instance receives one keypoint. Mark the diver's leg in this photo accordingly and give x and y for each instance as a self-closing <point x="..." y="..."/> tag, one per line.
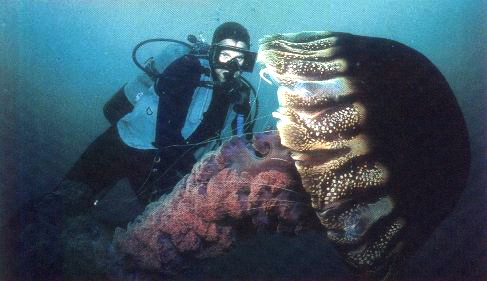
<point x="101" y="164"/>
<point x="140" y="165"/>
<point x="98" y="167"/>
<point x="152" y="175"/>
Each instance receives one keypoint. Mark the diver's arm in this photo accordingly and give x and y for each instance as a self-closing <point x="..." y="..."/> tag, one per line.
<point x="117" y="107"/>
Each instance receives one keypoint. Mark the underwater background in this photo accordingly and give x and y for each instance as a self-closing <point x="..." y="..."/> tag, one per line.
<point x="62" y="60"/>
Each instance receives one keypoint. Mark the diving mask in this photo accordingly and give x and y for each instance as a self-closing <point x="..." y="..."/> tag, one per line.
<point x="249" y="58"/>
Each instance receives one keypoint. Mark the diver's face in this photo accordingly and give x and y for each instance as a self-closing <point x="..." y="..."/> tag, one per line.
<point x="226" y="56"/>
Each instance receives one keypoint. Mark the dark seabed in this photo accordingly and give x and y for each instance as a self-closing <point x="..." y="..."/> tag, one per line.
<point x="62" y="60"/>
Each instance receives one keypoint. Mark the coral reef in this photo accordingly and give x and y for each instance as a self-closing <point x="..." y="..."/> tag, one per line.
<point x="231" y="193"/>
<point x="237" y="200"/>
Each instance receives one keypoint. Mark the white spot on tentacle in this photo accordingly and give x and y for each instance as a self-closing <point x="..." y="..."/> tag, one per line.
<point x="262" y="75"/>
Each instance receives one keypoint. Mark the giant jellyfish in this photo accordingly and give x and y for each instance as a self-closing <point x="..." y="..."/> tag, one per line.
<point x="377" y="137"/>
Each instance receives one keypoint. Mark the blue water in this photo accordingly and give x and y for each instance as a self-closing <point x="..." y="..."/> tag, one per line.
<point x="62" y="60"/>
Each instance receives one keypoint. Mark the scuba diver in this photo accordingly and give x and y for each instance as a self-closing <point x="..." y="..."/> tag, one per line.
<point x="160" y="124"/>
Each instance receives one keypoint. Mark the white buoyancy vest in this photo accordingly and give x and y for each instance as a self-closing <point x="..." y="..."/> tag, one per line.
<point x="137" y="129"/>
